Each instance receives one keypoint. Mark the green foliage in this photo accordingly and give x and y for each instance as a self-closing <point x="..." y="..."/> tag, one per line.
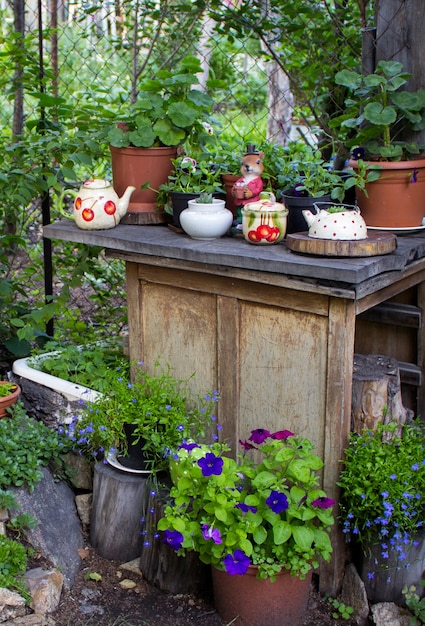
<point x="7" y="500"/>
<point x="21" y="522"/>
<point x="267" y="510"/>
<point x="415" y="603"/>
<point x="13" y="563"/>
<point x="341" y="610"/>
<point x="383" y="481"/>
<point x="6" y="389"/>
<point x="161" y="407"/>
<point x="25" y="446"/>
<point x="85" y="365"/>
<point x="194" y="176"/>
<point x="167" y="112"/>
<point x="378" y="110"/>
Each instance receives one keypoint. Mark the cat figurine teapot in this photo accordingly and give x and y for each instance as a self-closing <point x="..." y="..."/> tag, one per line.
<point x="97" y="205"/>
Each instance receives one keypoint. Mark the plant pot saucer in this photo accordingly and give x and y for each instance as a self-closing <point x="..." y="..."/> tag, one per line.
<point x="399" y="231"/>
<point x="111" y="457"/>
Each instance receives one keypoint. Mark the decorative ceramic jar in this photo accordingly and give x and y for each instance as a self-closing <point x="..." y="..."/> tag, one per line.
<point x="264" y="222"/>
<point x="341" y="222"/>
<point x="206" y="221"/>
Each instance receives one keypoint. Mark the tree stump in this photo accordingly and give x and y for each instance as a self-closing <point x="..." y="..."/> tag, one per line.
<point x="376" y="395"/>
<point x="119" y="500"/>
<point x="159" y="563"/>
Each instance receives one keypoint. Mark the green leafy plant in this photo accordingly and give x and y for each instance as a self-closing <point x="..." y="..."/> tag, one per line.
<point x="21" y="522"/>
<point x="25" y="446"/>
<point x="267" y="510"/>
<point x="205" y="198"/>
<point x="193" y="175"/>
<point x="415" y="603"/>
<point x="83" y="364"/>
<point x="6" y="389"/>
<point x="7" y="500"/>
<point x="341" y="611"/>
<point x="13" y="563"/>
<point x="378" y="111"/>
<point x="160" y="406"/>
<point x="168" y="111"/>
<point x="383" y="481"/>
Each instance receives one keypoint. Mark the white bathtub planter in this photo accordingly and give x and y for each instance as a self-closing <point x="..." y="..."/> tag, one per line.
<point x="49" y="398"/>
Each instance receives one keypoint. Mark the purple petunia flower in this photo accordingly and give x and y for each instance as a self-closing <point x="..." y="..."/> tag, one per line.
<point x="237" y="563"/>
<point x="414" y="177"/>
<point x="323" y="503"/>
<point x="173" y="538"/>
<point x="209" y="532"/>
<point x="245" y="507"/>
<point x="188" y="446"/>
<point x="277" y="501"/>
<point x="282" y="435"/>
<point x="211" y="464"/>
<point x="246" y="445"/>
<point x="259" y="435"/>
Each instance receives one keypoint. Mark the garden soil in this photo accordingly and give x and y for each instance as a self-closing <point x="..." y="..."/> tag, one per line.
<point x="107" y="594"/>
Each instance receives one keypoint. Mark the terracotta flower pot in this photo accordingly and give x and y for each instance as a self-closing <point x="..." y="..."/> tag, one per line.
<point x="136" y="166"/>
<point x="397" y="198"/>
<point x="250" y="601"/>
<point x="9" y="400"/>
<point x="228" y="182"/>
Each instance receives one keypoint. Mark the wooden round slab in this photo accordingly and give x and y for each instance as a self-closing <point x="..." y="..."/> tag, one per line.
<point x="377" y="243"/>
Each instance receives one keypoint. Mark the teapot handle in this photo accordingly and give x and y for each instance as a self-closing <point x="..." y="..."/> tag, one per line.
<point x="58" y="202"/>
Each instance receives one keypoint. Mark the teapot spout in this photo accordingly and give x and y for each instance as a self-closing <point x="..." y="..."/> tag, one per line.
<point x="124" y="201"/>
<point x="309" y="217"/>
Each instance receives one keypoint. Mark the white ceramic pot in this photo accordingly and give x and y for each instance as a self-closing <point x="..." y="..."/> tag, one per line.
<point x="206" y="221"/>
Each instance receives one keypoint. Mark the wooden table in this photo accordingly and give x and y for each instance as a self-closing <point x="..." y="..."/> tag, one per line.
<point x="273" y="331"/>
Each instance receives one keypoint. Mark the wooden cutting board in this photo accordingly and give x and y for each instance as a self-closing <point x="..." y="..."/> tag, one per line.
<point x="377" y="243"/>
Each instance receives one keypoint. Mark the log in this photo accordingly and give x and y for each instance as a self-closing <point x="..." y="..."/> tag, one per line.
<point x="119" y="499"/>
<point x="159" y="563"/>
<point x="376" y="394"/>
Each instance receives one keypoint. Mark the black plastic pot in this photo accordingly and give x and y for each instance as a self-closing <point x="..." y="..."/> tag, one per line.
<point x="296" y="205"/>
<point x="136" y="458"/>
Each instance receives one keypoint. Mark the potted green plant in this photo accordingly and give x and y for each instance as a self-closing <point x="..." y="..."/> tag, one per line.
<point x="306" y="178"/>
<point x="168" y="112"/>
<point x="379" y="112"/>
<point x="383" y="508"/>
<point x="138" y="423"/>
<point x="264" y="518"/>
<point x="9" y="394"/>
<point x="188" y="179"/>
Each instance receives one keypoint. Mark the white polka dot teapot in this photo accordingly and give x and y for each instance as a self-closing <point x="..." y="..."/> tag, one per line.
<point x="97" y="205"/>
<point x="335" y="221"/>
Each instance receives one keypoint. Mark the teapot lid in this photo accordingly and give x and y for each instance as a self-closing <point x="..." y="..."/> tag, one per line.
<point x="97" y="183"/>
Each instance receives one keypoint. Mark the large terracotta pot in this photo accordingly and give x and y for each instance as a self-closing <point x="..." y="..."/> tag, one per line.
<point x="8" y="401"/>
<point x="397" y="198"/>
<point x="137" y="166"/>
<point x="250" y="601"/>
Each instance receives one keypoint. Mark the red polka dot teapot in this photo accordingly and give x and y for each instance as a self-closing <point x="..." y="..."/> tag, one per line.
<point x="97" y="205"/>
<point x="335" y="221"/>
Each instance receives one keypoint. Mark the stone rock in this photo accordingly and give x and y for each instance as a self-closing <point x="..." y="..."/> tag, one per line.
<point x="4" y="515"/>
<point x="81" y="471"/>
<point x="389" y="614"/>
<point x="84" y="504"/>
<point x="132" y="566"/>
<point x="45" y="587"/>
<point x="353" y="594"/>
<point x="126" y="583"/>
<point x="31" y="620"/>
<point x="12" y="605"/>
<point x="58" y="533"/>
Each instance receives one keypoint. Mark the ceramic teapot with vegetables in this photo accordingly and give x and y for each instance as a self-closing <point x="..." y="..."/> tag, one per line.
<point x="335" y="221"/>
<point x="97" y="205"/>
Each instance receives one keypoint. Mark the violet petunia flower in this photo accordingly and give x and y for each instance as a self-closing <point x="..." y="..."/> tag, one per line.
<point x="245" y="507"/>
<point x="211" y="464"/>
<point x="282" y="435"/>
<point x="358" y="153"/>
<point x="259" y="435"/>
<point x="237" y="563"/>
<point x="246" y="445"/>
<point x="173" y="538"/>
<point x="323" y="502"/>
<point x="188" y="446"/>
<point x="277" y="501"/>
<point x="209" y="532"/>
